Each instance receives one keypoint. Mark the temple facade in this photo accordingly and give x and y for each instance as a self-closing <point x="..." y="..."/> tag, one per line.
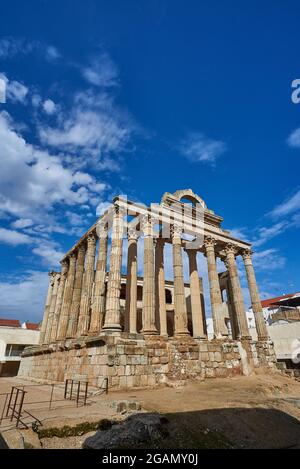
<point x="142" y="330"/>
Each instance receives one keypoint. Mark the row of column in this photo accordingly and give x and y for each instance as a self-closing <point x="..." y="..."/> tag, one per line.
<point x="77" y="300"/>
<point x="236" y="292"/>
<point x="76" y="296"/>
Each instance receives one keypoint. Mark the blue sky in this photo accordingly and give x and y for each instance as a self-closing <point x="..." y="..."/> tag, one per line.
<point x="139" y="98"/>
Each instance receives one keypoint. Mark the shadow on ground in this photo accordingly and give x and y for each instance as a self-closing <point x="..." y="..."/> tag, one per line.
<point x="215" y="428"/>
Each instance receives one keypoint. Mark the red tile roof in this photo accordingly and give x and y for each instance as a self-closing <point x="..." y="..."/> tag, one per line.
<point x="32" y="326"/>
<point x="10" y="322"/>
<point x="274" y="301"/>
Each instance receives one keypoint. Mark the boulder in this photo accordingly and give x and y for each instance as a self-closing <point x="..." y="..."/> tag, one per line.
<point x="136" y="430"/>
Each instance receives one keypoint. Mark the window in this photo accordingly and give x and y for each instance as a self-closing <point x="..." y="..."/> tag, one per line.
<point x="168" y="296"/>
<point x="14" y="350"/>
<point x="123" y="291"/>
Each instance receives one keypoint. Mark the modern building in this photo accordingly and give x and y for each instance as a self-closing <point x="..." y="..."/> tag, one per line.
<point x="14" y="337"/>
<point x="284" y="308"/>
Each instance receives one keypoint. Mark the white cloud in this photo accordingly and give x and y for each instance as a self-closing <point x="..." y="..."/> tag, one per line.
<point x="52" y="53"/>
<point x="49" y="252"/>
<point x="268" y="259"/>
<point x="12" y="46"/>
<point x="32" y="180"/>
<point x="16" y="91"/>
<point x="239" y="233"/>
<point x="102" y="207"/>
<point x="94" y="127"/>
<point x="22" y="223"/>
<point x="23" y="298"/>
<point x="267" y="233"/>
<point x="196" y="147"/>
<point x="14" y="237"/>
<point x="101" y="72"/>
<point x="36" y="100"/>
<point x="287" y="207"/>
<point x="294" y="139"/>
<point x="49" y="106"/>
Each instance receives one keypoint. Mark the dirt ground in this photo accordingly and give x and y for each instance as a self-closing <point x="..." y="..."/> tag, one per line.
<point x="258" y="411"/>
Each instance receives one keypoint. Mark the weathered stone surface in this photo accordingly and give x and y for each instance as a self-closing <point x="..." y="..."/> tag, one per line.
<point x="135" y="430"/>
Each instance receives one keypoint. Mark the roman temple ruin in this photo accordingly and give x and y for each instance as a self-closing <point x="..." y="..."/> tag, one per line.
<point x="143" y="330"/>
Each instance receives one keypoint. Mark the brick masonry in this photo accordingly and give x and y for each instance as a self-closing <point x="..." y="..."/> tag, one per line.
<point x="132" y="360"/>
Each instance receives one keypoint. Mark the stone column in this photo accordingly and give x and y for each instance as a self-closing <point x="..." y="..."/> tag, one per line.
<point x="76" y="297"/>
<point x="67" y="300"/>
<point x="180" y="316"/>
<point x="52" y="307"/>
<point x="198" y="318"/>
<point x="98" y="306"/>
<point x="214" y="287"/>
<point x="149" y="326"/>
<point x="87" y="287"/>
<point x="261" y="327"/>
<point x="131" y="283"/>
<point x="238" y="301"/>
<point x="160" y="286"/>
<point x="112" y="310"/>
<point x="231" y="307"/>
<point x="59" y="300"/>
<point x="47" y="307"/>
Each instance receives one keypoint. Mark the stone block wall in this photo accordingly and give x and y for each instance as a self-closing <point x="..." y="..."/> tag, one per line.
<point x="132" y="361"/>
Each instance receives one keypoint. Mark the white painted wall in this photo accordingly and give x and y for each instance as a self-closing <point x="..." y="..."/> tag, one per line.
<point x="14" y="335"/>
<point x="286" y="338"/>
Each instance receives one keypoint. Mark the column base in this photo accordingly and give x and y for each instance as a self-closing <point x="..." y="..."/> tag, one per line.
<point x="112" y="328"/>
<point x="182" y="334"/>
<point x="149" y="332"/>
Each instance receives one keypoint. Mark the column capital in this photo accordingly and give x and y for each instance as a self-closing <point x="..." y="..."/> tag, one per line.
<point x="64" y="266"/>
<point x="247" y="254"/>
<point x="117" y="210"/>
<point x="209" y="241"/>
<point x="132" y="234"/>
<point x="81" y="248"/>
<point x="231" y="249"/>
<point x="73" y="257"/>
<point x="147" y="222"/>
<point x="102" y="229"/>
<point x="91" y="239"/>
<point x="176" y="231"/>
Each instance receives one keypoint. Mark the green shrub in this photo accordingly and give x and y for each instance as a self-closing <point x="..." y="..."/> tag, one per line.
<point x="77" y="430"/>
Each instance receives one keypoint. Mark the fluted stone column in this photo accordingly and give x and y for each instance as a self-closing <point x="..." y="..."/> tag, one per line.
<point x="231" y="308"/>
<point x="180" y="318"/>
<point x="59" y="300"/>
<point x="98" y="305"/>
<point x="87" y="287"/>
<point x="47" y="307"/>
<point x="76" y="297"/>
<point x="214" y="287"/>
<point x="112" y="309"/>
<point x="67" y="300"/>
<point x="198" y="318"/>
<point x="261" y="327"/>
<point x="131" y="284"/>
<point x="160" y="286"/>
<point x="149" y="326"/>
<point x="52" y="307"/>
<point x="238" y="301"/>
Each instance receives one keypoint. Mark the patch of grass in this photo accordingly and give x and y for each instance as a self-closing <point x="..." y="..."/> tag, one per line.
<point x="77" y="430"/>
